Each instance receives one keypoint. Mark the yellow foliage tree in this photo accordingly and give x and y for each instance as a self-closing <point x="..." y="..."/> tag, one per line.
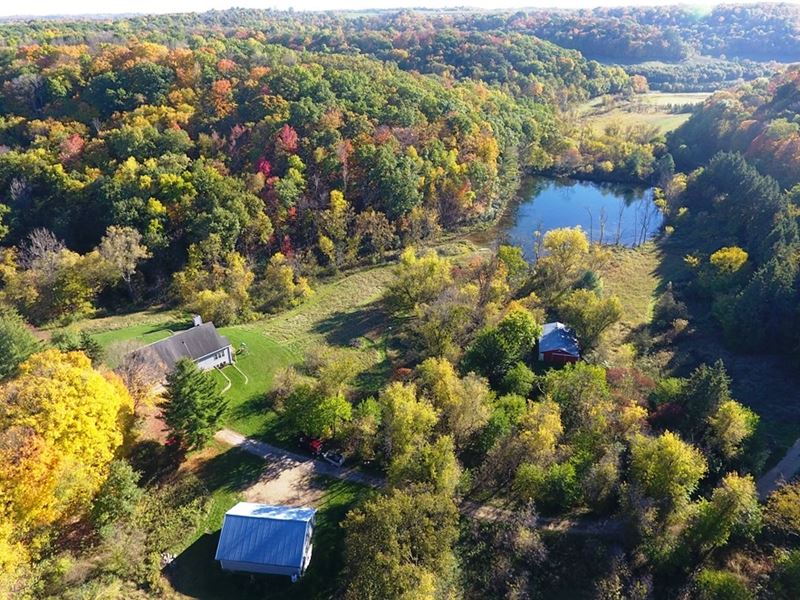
<point x="62" y="424"/>
<point x="566" y="254"/>
<point x="729" y="259"/>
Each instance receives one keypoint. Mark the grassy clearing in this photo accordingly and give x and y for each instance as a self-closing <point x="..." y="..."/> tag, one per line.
<point x="227" y="472"/>
<point x="673" y="98"/>
<point x="342" y="320"/>
<point x="652" y="110"/>
<point x="632" y="275"/>
<point x="664" y="121"/>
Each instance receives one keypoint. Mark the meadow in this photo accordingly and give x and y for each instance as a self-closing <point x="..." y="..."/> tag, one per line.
<point x="654" y="109"/>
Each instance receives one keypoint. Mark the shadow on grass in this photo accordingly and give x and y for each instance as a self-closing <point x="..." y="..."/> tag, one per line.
<point x="256" y="404"/>
<point x="196" y="574"/>
<point x="231" y="471"/>
<point x="343" y="327"/>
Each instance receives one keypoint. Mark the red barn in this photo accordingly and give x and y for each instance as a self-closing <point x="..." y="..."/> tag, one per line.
<point x="558" y="344"/>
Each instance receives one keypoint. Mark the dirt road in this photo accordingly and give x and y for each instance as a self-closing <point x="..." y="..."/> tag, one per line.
<point x="291" y="479"/>
<point x="785" y="470"/>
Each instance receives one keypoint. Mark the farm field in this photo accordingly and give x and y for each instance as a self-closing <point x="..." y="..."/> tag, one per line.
<point x="652" y="109"/>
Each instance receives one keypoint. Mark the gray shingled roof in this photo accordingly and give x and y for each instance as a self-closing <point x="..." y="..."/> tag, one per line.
<point x="193" y="343"/>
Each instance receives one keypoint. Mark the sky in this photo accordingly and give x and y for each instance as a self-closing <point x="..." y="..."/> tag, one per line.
<point x="73" y="7"/>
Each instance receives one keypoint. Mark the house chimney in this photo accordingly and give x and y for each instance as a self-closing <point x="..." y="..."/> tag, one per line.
<point x="197" y="320"/>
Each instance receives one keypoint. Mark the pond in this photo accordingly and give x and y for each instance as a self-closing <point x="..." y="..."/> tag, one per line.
<point x="609" y="213"/>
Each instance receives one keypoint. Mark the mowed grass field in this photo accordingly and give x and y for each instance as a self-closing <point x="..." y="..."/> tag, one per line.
<point x="342" y="320"/>
<point x="651" y="110"/>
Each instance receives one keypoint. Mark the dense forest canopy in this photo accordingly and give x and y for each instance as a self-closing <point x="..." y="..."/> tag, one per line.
<point x="742" y="144"/>
<point x="311" y="183"/>
<point x="291" y="141"/>
<point x="758" y="119"/>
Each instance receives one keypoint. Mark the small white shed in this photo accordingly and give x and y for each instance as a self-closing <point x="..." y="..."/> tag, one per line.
<point x="259" y="538"/>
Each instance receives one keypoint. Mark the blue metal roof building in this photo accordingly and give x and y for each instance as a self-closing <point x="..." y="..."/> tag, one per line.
<point x="258" y="538"/>
<point x="558" y="343"/>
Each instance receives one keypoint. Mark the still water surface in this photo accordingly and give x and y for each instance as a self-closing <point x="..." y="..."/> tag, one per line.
<point x="609" y="213"/>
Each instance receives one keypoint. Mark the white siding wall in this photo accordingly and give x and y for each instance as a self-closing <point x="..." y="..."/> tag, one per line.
<point x="218" y="359"/>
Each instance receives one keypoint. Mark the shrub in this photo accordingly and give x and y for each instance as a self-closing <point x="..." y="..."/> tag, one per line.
<point x="720" y="585"/>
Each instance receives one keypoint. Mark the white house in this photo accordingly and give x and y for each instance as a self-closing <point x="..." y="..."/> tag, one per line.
<point x="274" y="540"/>
<point x="202" y="343"/>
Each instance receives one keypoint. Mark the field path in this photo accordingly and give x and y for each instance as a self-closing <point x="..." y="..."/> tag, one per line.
<point x="785" y="470"/>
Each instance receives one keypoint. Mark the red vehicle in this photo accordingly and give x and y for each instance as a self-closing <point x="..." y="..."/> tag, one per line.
<point x="313" y="445"/>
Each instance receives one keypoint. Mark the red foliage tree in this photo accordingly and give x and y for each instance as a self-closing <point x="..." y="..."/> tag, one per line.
<point x="287" y="141"/>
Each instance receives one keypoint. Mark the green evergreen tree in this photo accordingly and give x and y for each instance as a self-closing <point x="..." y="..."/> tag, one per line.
<point x="193" y="405"/>
<point x="17" y="343"/>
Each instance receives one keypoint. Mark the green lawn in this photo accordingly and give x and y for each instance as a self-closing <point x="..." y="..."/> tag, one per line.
<point x="248" y="412"/>
<point x="342" y="320"/>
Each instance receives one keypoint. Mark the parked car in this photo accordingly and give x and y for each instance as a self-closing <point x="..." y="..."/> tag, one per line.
<point x="313" y="445"/>
<point x="335" y="458"/>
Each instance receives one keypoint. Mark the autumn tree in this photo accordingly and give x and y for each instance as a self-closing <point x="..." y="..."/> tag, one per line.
<point x="783" y="509"/>
<point x="399" y="545"/>
<point x="140" y="373"/>
<point x="496" y="350"/>
<point x="363" y="430"/>
<point x="335" y="241"/>
<point x="216" y="284"/>
<point x="312" y="411"/>
<point x="62" y="424"/>
<point x="193" y="405"/>
<point x="733" y="508"/>
<point x="533" y="439"/>
<point x="122" y="249"/>
<point x="566" y="252"/>
<point x="406" y="420"/>
<point x="463" y="403"/>
<point x="589" y="314"/>
<point x="441" y="328"/>
<point x="666" y="468"/>
<point x="281" y="286"/>
<point x="427" y="465"/>
<point x="375" y="233"/>
<point x="417" y="280"/>
<point x="730" y="426"/>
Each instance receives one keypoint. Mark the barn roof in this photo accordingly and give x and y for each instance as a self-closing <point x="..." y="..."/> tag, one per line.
<point x="265" y="535"/>
<point x="557" y="336"/>
<point x="194" y="343"/>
